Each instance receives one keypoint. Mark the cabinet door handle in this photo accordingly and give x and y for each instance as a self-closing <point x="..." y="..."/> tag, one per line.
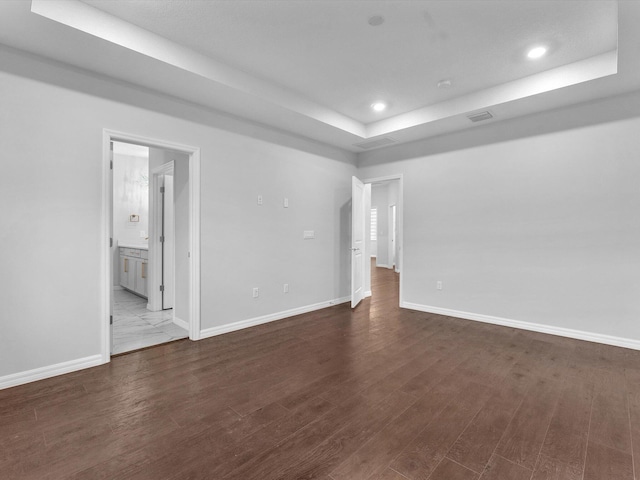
<point x="126" y="265"/>
<point x="143" y="274"/>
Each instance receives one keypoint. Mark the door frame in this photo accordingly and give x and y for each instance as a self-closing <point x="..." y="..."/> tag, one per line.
<point x="400" y="224"/>
<point x="155" y="246"/>
<point x="109" y="136"/>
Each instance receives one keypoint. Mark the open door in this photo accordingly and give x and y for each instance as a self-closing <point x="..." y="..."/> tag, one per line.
<point x="357" y="241"/>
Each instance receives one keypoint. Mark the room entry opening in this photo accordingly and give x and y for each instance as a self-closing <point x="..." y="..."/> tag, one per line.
<point x="152" y="275"/>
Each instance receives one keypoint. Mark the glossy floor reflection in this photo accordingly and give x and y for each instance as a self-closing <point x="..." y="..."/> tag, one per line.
<point x="135" y="327"/>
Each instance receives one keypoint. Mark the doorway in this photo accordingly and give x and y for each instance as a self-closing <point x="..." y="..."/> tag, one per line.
<point x="382" y="201"/>
<point x="140" y="268"/>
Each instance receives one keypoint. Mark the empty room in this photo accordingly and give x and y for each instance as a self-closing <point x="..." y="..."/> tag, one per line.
<point x="320" y="239"/>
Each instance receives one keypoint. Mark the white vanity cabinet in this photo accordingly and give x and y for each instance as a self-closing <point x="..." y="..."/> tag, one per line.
<point x="134" y="269"/>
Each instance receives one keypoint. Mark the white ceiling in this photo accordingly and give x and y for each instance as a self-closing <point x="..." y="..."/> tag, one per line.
<point x="328" y="52"/>
<point x="313" y="67"/>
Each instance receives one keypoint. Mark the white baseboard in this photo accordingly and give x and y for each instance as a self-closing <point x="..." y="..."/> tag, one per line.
<point x="382" y="265"/>
<point x="366" y="294"/>
<point x="252" y="322"/>
<point x="117" y="287"/>
<point x="534" y="327"/>
<point x="49" y="371"/>
<point x="181" y="323"/>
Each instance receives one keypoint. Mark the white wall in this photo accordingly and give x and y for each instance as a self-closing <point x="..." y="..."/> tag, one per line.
<point x="51" y="130"/>
<point x="130" y="196"/>
<point x="535" y="220"/>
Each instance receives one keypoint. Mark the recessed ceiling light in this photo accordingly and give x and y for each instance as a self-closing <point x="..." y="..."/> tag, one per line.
<point x="537" y="52"/>
<point x="378" y="106"/>
<point x="376" y="20"/>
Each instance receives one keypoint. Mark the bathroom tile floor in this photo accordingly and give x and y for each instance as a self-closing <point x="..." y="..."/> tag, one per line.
<point x="136" y="327"/>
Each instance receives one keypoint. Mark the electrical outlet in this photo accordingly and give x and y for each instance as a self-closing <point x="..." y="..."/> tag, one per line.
<point x="285" y="289"/>
<point x="259" y="199"/>
<point x="439" y="285"/>
<point x="256" y="292"/>
<point x="286" y="202"/>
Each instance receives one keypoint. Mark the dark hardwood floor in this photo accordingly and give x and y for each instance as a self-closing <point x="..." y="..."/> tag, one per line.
<point x="376" y="393"/>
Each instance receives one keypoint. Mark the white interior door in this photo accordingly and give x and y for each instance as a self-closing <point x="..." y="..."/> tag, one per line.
<point x="168" y="249"/>
<point x="357" y="241"/>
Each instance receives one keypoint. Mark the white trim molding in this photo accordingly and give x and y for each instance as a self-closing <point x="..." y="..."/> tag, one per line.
<point x="534" y="327"/>
<point x="181" y="323"/>
<point x="49" y="371"/>
<point x="252" y="322"/>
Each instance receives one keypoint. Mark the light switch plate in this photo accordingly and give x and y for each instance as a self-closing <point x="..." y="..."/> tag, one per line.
<point x="308" y="234"/>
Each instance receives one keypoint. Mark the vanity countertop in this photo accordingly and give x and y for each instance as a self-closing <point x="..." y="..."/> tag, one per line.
<point x="132" y="245"/>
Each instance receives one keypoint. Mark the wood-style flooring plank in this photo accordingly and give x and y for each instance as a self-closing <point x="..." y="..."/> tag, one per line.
<point x="449" y="470"/>
<point x="378" y="453"/>
<point x="551" y="469"/>
<point x="500" y="468"/>
<point x="607" y="463"/>
<point x="566" y="439"/>
<point x="421" y="457"/>
<point x="476" y="444"/>
<point x="610" y="421"/>
<point x="526" y="432"/>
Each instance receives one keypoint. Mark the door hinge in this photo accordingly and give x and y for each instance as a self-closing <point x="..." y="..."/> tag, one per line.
<point x="110" y="319"/>
<point x="162" y="239"/>
<point x="111" y="242"/>
<point x="162" y="288"/>
<point x="161" y="189"/>
<point x="111" y="164"/>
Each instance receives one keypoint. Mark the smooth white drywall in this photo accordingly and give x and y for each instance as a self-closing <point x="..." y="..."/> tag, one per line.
<point x="536" y="219"/>
<point x="51" y="130"/>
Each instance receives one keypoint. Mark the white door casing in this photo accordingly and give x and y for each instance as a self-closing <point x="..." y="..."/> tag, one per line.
<point x="107" y="231"/>
<point x="357" y="241"/>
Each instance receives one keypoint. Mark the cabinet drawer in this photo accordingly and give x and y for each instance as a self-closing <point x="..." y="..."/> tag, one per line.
<point x="132" y="252"/>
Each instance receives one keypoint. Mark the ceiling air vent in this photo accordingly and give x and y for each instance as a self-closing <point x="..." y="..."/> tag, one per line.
<point x="379" y="142"/>
<point x="479" y="117"/>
